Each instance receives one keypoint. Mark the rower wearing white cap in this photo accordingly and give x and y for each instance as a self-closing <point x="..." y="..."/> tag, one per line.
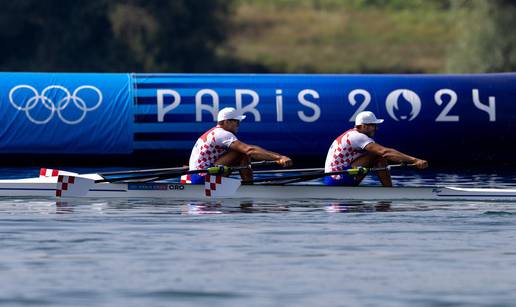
<point x="356" y="147"/>
<point x="220" y="146"/>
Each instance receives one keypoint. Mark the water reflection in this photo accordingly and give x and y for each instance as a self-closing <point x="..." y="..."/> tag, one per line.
<point x="358" y="206"/>
<point x="64" y="207"/>
<point x="155" y="207"/>
<point x="201" y="208"/>
<point x="228" y="207"/>
<point x="231" y="206"/>
<point x="151" y="206"/>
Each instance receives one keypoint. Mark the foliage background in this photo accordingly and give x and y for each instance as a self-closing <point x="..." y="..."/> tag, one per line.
<point x="282" y="36"/>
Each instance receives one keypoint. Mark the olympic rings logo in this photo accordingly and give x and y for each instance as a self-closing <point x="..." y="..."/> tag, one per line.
<point x="29" y="104"/>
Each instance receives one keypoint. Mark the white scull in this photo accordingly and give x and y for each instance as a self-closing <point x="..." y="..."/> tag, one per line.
<point x="46" y="187"/>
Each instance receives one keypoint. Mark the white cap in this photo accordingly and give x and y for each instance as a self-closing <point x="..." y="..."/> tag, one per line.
<point x="367" y="117"/>
<point x="229" y="113"/>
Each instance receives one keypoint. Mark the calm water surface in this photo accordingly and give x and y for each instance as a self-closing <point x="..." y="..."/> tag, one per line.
<point x="134" y="252"/>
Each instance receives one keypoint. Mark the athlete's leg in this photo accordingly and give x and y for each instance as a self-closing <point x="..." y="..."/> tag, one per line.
<point x="341" y="180"/>
<point x="385" y="175"/>
<point x="235" y="158"/>
<point x="372" y="160"/>
<point x="246" y="173"/>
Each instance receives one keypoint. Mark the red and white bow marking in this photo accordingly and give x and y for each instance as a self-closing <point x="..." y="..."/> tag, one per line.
<point x="48" y="172"/>
<point x="72" y="186"/>
<point x="218" y="186"/>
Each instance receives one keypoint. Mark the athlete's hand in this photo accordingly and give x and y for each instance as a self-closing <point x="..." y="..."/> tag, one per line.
<point x="284" y="161"/>
<point x="421" y="164"/>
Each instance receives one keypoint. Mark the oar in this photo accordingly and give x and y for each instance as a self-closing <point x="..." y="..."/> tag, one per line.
<point x="227" y="171"/>
<point x="282" y="171"/>
<point x="169" y="169"/>
<point x="160" y="174"/>
<point x="317" y="174"/>
<point x="214" y="170"/>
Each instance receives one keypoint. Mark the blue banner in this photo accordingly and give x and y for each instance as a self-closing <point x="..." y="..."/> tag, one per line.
<point x="66" y="113"/>
<point x="454" y="118"/>
<point x="446" y="117"/>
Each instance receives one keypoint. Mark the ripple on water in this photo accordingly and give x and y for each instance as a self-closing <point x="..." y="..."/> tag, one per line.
<point x="172" y="293"/>
<point x="293" y="253"/>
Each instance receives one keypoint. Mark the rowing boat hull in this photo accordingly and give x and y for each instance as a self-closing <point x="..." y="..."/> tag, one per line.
<point x="37" y="187"/>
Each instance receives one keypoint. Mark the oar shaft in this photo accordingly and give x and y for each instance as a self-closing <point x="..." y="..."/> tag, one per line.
<point x="281" y="171"/>
<point x="171" y="169"/>
<point x="129" y="172"/>
<point x="162" y="174"/>
<point x="167" y="174"/>
<point x="319" y="174"/>
<point x="302" y="177"/>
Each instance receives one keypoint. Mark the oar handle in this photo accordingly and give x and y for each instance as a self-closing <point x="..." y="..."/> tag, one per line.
<point x="400" y="165"/>
<point x="264" y="163"/>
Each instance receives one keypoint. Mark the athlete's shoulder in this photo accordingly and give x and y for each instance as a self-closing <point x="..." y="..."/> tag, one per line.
<point x="345" y="133"/>
<point x="354" y="131"/>
<point x="204" y="136"/>
<point x="359" y="140"/>
<point x="223" y="132"/>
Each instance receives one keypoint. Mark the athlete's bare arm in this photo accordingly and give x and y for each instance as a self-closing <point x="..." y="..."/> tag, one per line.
<point x="258" y="153"/>
<point x="394" y="155"/>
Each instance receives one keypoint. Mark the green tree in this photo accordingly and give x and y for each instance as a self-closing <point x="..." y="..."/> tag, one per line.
<point x="486" y="40"/>
<point x="112" y="35"/>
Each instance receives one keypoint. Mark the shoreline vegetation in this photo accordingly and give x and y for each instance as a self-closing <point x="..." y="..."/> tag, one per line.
<point x="341" y="36"/>
<point x="259" y="36"/>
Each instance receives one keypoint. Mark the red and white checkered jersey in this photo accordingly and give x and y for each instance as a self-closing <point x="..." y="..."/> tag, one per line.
<point x="209" y="147"/>
<point x="348" y="147"/>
